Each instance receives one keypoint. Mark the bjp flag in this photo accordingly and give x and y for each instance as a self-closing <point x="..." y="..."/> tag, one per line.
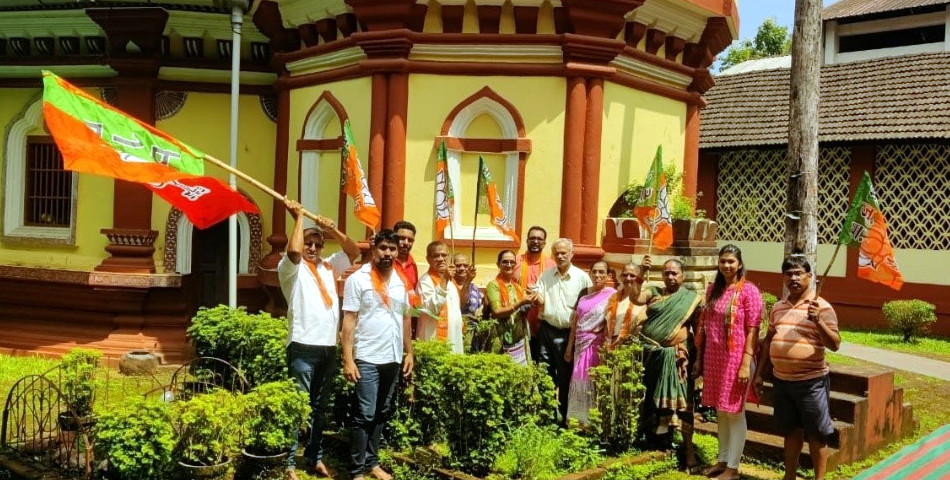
<point x="864" y="227"/>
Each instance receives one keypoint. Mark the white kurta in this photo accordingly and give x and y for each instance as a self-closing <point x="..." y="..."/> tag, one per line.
<point x="433" y="298"/>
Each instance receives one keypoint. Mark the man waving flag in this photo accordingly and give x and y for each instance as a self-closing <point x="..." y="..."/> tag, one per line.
<point x="96" y="138"/>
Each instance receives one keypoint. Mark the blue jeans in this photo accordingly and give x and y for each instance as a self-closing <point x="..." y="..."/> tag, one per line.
<point x="374" y="392"/>
<point x="312" y="367"/>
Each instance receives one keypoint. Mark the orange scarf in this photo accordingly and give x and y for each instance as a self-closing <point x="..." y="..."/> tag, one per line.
<point x="414" y="300"/>
<point x="327" y="299"/>
<point x="730" y="317"/>
<point x="612" y="306"/>
<point x="381" y="287"/>
<point x="503" y="291"/>
<point x="523" y="280"/>
<point x="442" y="323"/>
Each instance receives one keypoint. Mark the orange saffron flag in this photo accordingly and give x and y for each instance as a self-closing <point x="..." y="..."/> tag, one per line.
<point x="489" y="199"/>
<point x="653" y="208"/>
<point x="864" y="227"/>
<point x="364" y="207"/>
<point x="444" y="196"/>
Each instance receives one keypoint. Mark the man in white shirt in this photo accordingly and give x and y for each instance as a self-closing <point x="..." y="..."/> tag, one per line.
<point x="376" y="334"/>
<point x="558" y="290"/>
<point x="313" y="313"/>
<point x="441" y="316"/>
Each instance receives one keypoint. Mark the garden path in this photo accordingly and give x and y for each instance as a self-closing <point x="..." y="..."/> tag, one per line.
<point x="897" y="360"/>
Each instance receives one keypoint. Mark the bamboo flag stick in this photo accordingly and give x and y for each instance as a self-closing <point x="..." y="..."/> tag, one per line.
<point x="478" y="192"/>
<point x="827" y="269"/>
<point x="214" y="161"/>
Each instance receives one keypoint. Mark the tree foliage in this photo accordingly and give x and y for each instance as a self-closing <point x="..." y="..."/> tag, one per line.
<point x="770" y="40"/>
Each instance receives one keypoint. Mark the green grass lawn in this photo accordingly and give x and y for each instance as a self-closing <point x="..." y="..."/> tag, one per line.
<point x="930" y="347"/>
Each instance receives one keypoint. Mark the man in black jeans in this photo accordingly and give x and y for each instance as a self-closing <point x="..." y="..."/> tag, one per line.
<point x="376" y="338"/>
<point x="313" y="313"/>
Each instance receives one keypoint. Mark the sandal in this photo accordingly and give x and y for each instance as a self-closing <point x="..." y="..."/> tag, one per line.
<point x="714" y="470"/>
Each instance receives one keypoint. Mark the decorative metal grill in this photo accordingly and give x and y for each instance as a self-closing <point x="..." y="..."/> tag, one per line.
<point x="751" y="194"/>
<point x="912" y="183"/>
<point x="48" y="187"/>
<point x="201" y="375"/>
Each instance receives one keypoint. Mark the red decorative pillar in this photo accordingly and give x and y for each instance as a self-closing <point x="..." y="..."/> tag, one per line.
<point x="691" y="151"/>
<point x="394" y="177"/>
<point x="575" y="118"/>
<point x="590" y="182"/>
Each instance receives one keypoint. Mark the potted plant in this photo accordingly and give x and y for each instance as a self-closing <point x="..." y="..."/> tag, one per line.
<point x="274" y="413"/>
<point x="136" y="440"/>
<point x="207" y="434"/>
<point x="78" y="384"/>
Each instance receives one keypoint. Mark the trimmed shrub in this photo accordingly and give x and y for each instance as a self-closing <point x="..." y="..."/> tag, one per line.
<point x="640" y="471"/>
<point x="254" y="343"/>
<point x="911" y="318"/>
<point x="136" y="439"/>
<point x="543" y="453"/>
<point x="275" y="411"/>
<point x="618" y="392"/>
<point x="207" y="429"/>
<point x="416" y="420"/>
<point x="79" y="382"/>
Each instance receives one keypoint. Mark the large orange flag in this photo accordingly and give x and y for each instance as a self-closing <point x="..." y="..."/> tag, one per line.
<point x="364" y="207"/>
<point x="864" y="227"/>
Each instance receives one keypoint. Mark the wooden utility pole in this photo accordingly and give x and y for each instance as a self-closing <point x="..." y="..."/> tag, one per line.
<point x="801" y="222"/>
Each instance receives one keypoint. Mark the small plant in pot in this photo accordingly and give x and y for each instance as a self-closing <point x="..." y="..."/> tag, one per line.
<point x="207" y="434"/>
<point x="78" y="384"/>
<point x="274" y="413"/>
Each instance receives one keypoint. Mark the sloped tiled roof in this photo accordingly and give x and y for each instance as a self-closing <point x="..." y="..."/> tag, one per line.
<point x="855" y="8"/>
<point x="906" y="97"/>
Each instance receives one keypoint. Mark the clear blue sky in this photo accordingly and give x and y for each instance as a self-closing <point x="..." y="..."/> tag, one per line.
<point x="753" y="12"/>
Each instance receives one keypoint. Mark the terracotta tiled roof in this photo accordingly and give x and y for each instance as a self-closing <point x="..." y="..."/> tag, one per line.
<point x="855" y="8"/>
<point x="902" y="97"/>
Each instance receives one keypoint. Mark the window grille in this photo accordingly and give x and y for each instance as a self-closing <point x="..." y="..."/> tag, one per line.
<point x="48" y="187"/>
<point x="912" y="183"/>
<point x="752" y="191"/>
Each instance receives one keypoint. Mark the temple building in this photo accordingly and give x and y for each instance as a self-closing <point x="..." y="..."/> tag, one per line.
<point x="566" y="101"/>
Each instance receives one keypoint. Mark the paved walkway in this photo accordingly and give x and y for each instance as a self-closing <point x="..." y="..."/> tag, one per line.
<point x="897" y="360"/>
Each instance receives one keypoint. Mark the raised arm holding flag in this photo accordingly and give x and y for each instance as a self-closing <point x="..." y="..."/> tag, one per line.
<point x="653" y="207"/>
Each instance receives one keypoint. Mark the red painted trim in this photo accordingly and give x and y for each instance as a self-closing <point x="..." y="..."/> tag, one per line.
<point x="132" y="202"/>
<point x="723" y="8"/>
<point x="590" y="181"/>
<point x="281" y="153"/>
<point x="485" y="92"/>
<point x="377" y="137"/>
<point x="394" y="183"/>
<point x="575" y="117"/>
<point x="526" y="19"/>
<point x="325" y="145"/>
<point x="486" y="145"/>
<point x="658" y="89"/>
<point x="452" y="16"/>
<point x="691" y="152"/>
<point x="706" y="183"/>
<point x="489" y="17"/>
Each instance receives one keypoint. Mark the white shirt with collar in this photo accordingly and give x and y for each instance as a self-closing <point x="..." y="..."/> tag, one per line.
<point x="378" y="336"/>
<point x="433" y="298"/>
<point x="560" y="292"/>
<point x="312" y="322"/>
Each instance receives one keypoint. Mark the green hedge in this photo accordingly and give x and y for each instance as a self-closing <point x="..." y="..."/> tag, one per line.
<point x="137" y="438"/>
<point x="254" y="343"/>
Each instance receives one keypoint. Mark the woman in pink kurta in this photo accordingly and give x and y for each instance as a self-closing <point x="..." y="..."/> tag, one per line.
<point x="727" y="340"/>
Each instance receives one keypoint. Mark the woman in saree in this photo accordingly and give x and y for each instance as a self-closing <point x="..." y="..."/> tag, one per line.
<point x="625" y="312"/>
<point x="508" y="303"/>
<point x="588" y="327"/>
<point x="667" y="339"/>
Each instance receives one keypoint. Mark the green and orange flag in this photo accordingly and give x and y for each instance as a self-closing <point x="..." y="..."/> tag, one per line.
<point x="364" y="207"/>
<point x="864" y="227"/>
<point x="653" y="207"/>
<point x="97" y="138"/>
<point x="444" y="196"/>
<point x="490" y="202"/>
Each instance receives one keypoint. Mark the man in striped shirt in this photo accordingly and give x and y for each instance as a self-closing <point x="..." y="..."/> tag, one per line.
<point x="801" y="326"/>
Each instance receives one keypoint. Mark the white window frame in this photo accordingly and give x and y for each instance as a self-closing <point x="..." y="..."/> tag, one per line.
<point x="317" y="122"/>
<point x="14" y="186"/>
<point x="509" y="130"/>
<point x="185" y="230"/>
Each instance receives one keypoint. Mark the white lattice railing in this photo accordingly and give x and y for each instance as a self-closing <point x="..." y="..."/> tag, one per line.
<point x="751" y="194"/>
<point x="912" y="183"/>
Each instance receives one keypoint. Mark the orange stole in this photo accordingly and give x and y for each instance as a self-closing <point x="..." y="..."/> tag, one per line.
<point x="327" y="299"/>
<point x="442" y="323"/>
<point x="381" y="288"/>
<point x="612" y="306"/>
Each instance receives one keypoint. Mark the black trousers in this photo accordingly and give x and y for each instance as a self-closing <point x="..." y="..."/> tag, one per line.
<point x="552" y="343"/>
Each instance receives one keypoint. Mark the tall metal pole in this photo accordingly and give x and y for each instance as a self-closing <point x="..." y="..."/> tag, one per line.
<point x="237" y="21"/>
<point x="801" y="223"/>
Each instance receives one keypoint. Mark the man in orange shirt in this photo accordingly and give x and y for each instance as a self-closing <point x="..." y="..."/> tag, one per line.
<point x="529" y="267"/>
<point x="801" y="327"/>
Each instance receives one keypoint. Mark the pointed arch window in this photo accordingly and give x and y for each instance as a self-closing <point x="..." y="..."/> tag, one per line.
<point x="321" y="165"/>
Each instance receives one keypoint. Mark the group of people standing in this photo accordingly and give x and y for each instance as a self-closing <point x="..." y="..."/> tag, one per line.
<point x="548" y="310"/>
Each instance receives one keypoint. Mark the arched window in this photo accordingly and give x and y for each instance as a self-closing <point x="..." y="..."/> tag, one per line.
<point x="178" y="242"/>
<point x="39" y="196"/>
<point x="486" y="125"/>
<point x="320" y="145"/>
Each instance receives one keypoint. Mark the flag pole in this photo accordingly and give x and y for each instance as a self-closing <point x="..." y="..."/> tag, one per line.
<point x="827" y="269"/>
<point x="270" y="191"/>
<point x="237" y="20"/>
<point x="478" y="195"/>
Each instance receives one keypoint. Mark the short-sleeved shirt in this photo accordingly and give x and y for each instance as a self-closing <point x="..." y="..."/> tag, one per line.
<point x="797" y="352"/>
<point x="560" y="293"/>
<point x="378" y="327"/>
<point x="312" y="322"/>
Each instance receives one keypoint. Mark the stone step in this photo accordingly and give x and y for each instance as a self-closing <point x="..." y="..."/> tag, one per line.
<point x="759" y="418"/>
<point x="845" y="407"/>
<point x="768" y="446"/>
<point x="860" y="379"/>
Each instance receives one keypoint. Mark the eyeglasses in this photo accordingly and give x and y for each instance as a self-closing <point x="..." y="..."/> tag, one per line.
<point x="313" y="245"/>
<point x="507" y="262"/>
